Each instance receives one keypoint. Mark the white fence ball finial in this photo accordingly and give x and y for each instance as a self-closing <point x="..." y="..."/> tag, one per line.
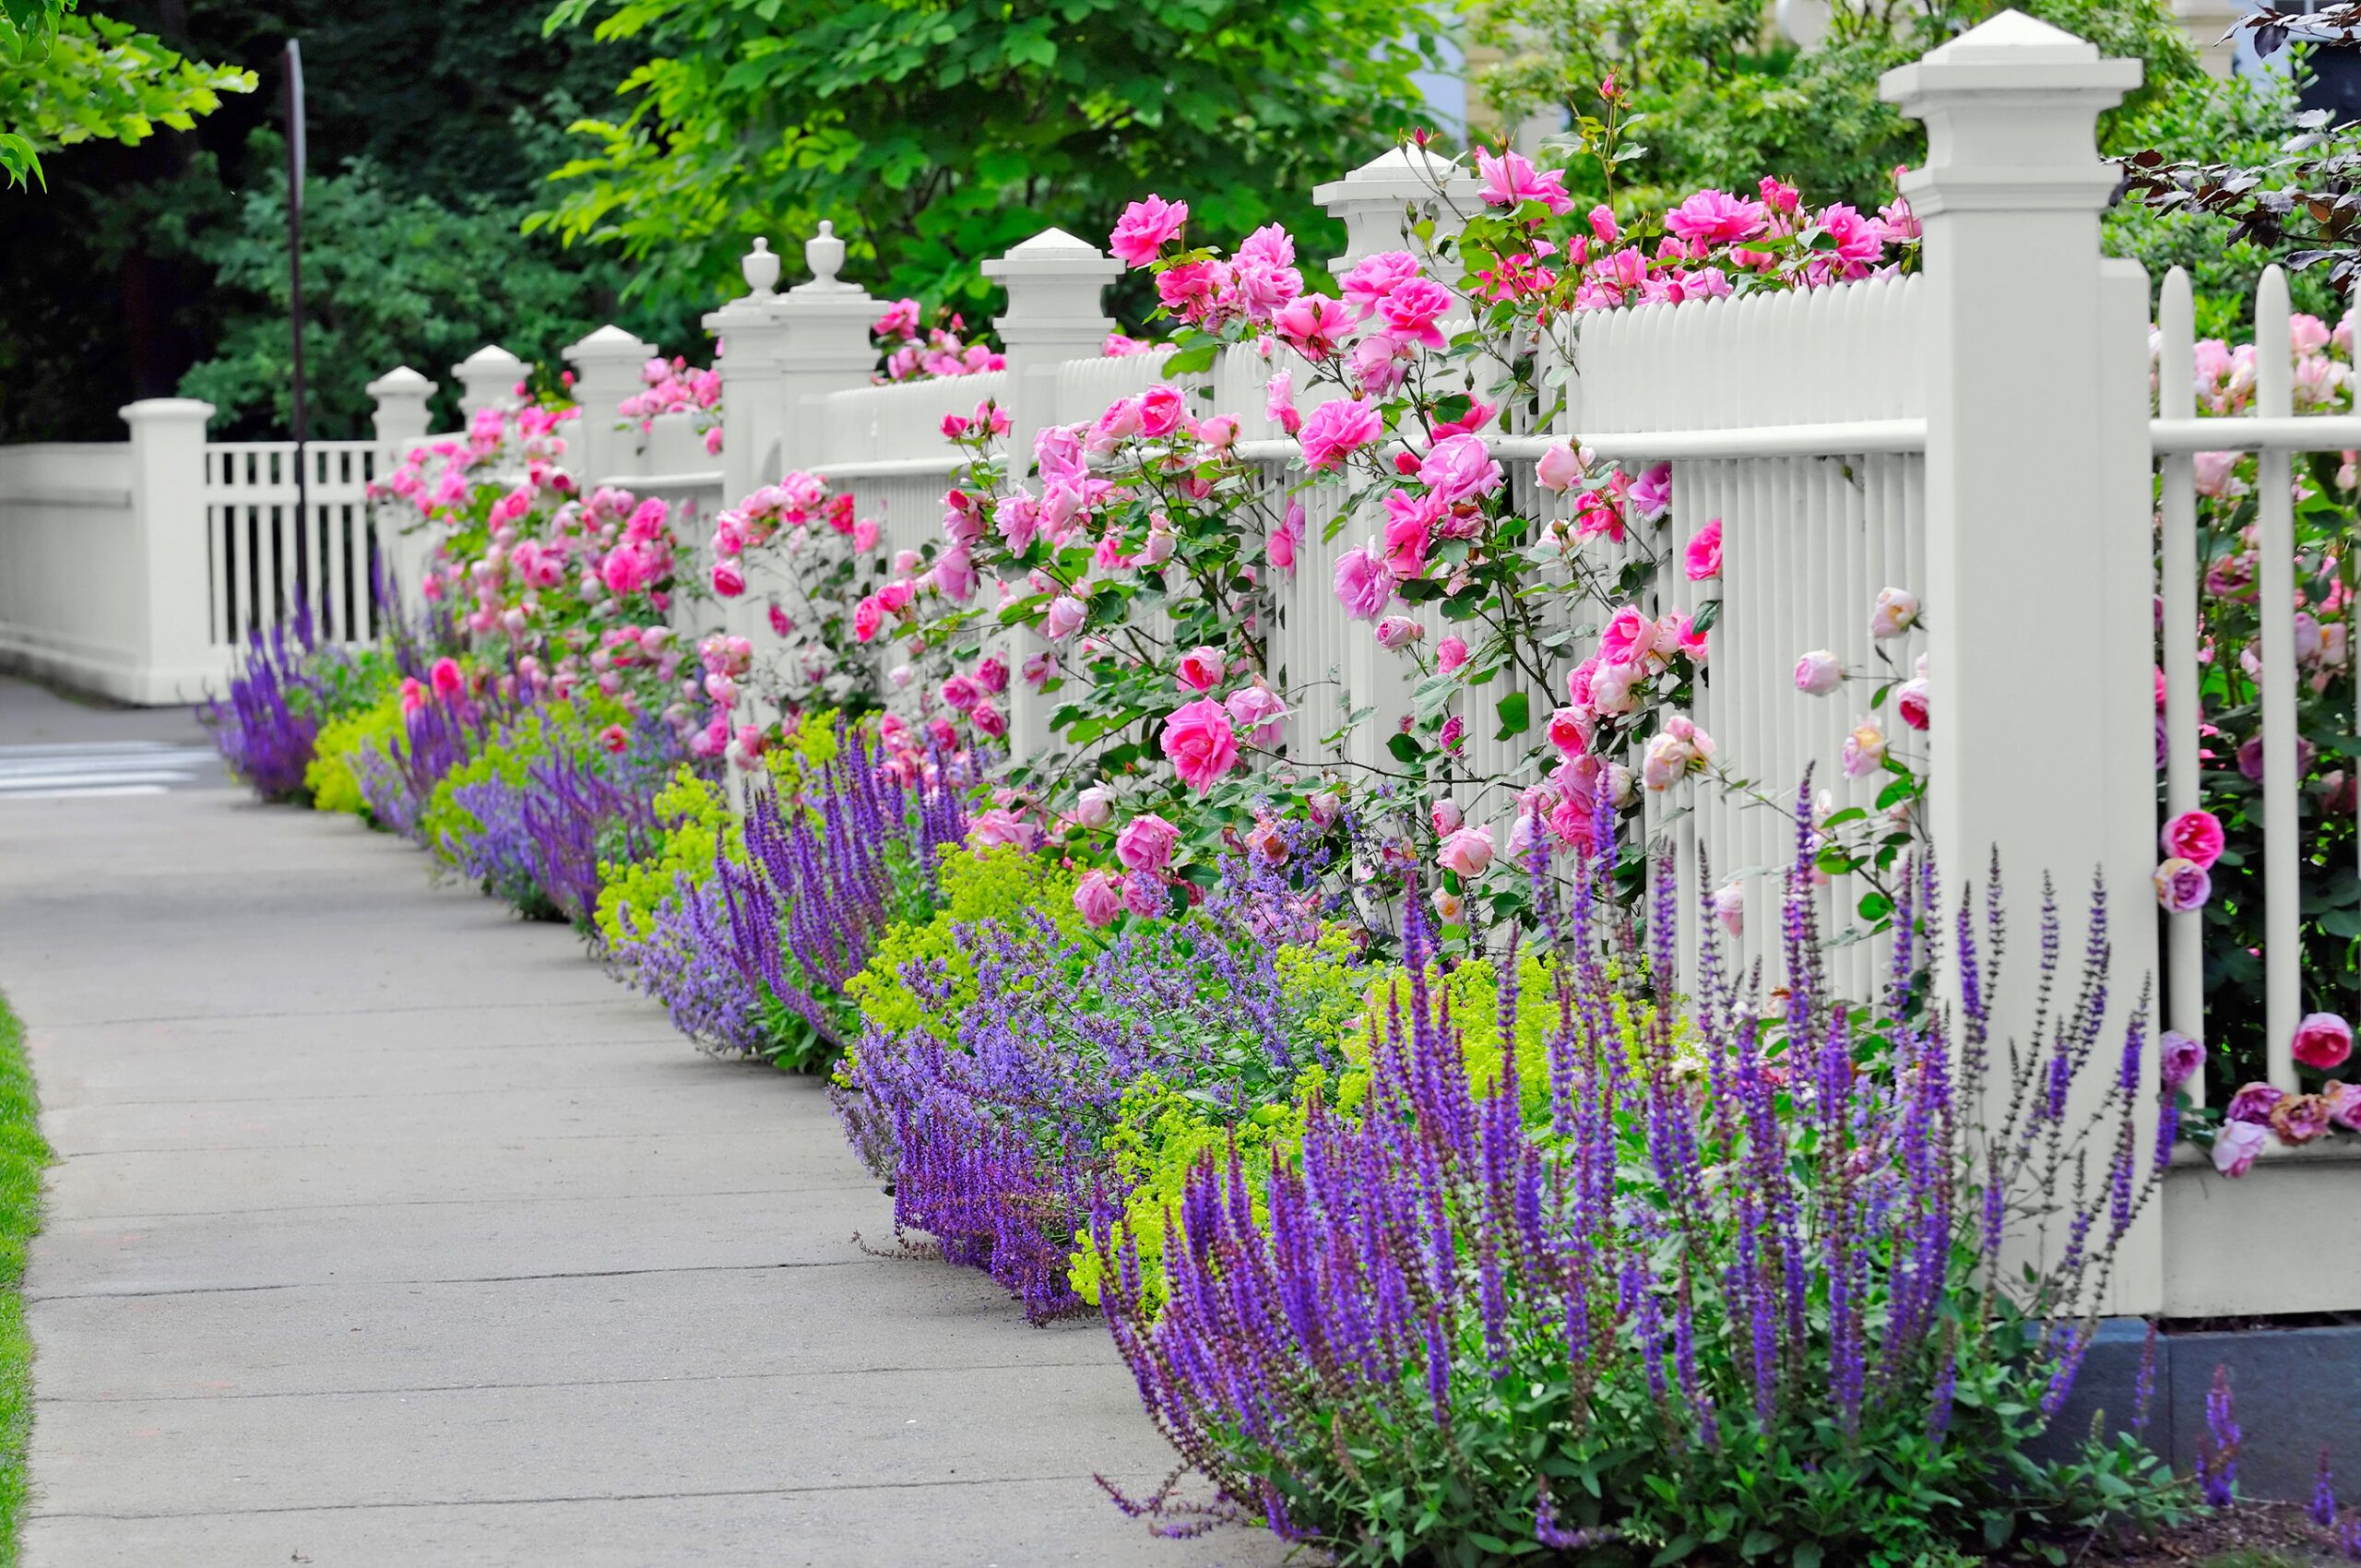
<point x="760" y="267"/>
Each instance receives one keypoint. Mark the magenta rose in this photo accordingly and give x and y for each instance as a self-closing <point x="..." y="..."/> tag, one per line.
<point x="1703" y="559"/>
<point x="1201" y="669"/>
<point x="2179" y="1056"/>
<point x="1334" y="431"/>
<point x="2194" y="837"/>
<point x="1143" y="228"/>
<point x="2253" y="1102"/>
<point x="2324" y="1040"/>
<point x="1364" y="583"/>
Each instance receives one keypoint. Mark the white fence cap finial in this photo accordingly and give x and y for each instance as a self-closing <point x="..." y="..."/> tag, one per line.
<point x="759" y="266"/>
<point x="400" y="381"/>
<point x="824" y="255"/>
<point x="2011" y="36"/>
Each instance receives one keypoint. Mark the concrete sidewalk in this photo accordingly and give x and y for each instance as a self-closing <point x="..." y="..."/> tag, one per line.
<point x="388" y="1230"/>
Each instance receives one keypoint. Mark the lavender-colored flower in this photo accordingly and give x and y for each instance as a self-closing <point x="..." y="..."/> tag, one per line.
<point x="2217" y="1458"/>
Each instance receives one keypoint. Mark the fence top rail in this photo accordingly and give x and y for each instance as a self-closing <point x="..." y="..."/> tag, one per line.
<point x="893" y="467"/>
<point x="2257" y="433"/>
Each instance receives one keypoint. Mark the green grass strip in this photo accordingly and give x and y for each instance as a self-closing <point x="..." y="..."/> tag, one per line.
<point x="22" y="1155"/>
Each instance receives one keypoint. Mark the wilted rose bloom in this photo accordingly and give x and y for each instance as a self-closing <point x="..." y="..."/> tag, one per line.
<point x="1398" y="632"/>
<point x="1467" y="851"/>
<point x="2323" y="1040"/>
<point x="1730" y="908"/>
<point x="1201" y="669"/>
<point x="1559" y="467"/>
<point x="2344" y="1104"/>
<point x="1702" y="558"/>
<point x="1200" y="743"/>
<point x="1819" y="672"/>
<point x="1446" y="816"/>
<point x="2252" y="1103"/>
<point x="2195" y="836"/>
<point x="2181" y="886"/>
<point x="1896" y="612"/>
<point x="1144" y="895"/>
<point x="1865" y="751"/>
<point x="1450" y="908"/>
<point x="1097" y="898"/>
<point x="1910" y="701"/>
<point x="2299" y="1118"/>
<point x="1145" y="843"/>
<point x="2178" y="1057"/>
<point x="2235" y="1146"/>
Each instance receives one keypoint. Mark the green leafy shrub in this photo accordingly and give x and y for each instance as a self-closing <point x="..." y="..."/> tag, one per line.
<point x="334" y="785"/>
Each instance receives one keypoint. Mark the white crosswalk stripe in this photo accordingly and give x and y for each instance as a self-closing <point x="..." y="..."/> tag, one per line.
<point x="102" y="768"/>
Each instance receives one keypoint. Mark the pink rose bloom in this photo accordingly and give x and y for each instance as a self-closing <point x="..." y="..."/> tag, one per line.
<point x="1312" y="325"/>
<point x="1652" y="492"/>
<point x="1865" y="751"/>
<point x="2182" y="886"/>
<point x="2235" y="1146"/>
<point x="445" y="678"/>
<point x="2195" y="836"/>
<point x="1703" y="559"/>
<point x="1559" y="469"/>
<point x="1818" y="673"/>
<point x="1717" y="217"/>
<point x="1000" y="829"/>
<point x="1449" y="906"/>
<point x="1145" y="843"/>
<point x="1364" y="583"/>
<point x="1614" y="688"/>
<point x="1459" y="468"/>
<point x="1446" y="816"/>
<point x="1466" y="851"/>
<point x="961" y="692"/>
<point x="1910" y="701"/>
<point x="1335" y="430"/>
<point x="2253" y="1104"/>
<point x="1411" y="311"/>
<point x="727" y="580"/>
<point x="1397" y="632"/>
<point x="1217" y="430"/>
<point x="895" y="597"/>
<point x="1200" y="743"/>
<point x="991" y="673"/>
<point x="864" y="534"/>
<point x="1018" y="518"/>
<point x="1895" y="613"/>
<point x="1280" y="548"/>
<point x="1160" y="411"/>
<point x="1094" y="808"/>
<point x="1258" y="712"/>
<point x="2178" y="1057"/>
<point x="1409" y="525"/>
<point x="1279" y="402"/>
<point x="1144" y="895"/>
<point x="956" y="575"/>
<point x="867" y="617"/>
<point x="1063" y="618"/>
<point x="1510" y="180"/>
<point x="1629" y="638"/>
<point x="1379" y="363"/>
<point x="1201" y="669"/>
<point x="988" y="719"/>
<point x="1669" y="758"/>
<point x="2324" y="1040"/>
<point x="1570" y="729"/>
<point x="1730" y="908"/>
<point x="1143" y="228"/>
<point x="1039" y="667"/>
<point x="1374" y="278"/>
<point x="1450" y="654"/>
<point x="1097" y="899"/>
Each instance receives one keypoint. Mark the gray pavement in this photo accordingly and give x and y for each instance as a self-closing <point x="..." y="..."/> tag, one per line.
<point x="387" y="1230"/>
<point x="53" y="745"/>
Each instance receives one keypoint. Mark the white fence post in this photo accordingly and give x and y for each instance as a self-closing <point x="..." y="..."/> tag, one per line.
<point x="489" y="378"/>
<point x="401" y="421"/>
<point x="1054" y="281"/>
<point x="607" y="366"/>
<point x="827" y="348"/>
<point x="2038" y="589"/>
<point x="752" y="342"/>
<point x="1378" y="201"/>
<point x="173" y="657"/>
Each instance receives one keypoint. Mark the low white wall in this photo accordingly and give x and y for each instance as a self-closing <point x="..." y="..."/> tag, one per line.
<point x="71" y="600"/>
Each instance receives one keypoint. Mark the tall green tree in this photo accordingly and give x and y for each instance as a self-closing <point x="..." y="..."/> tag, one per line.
<point x="937" y="133"/>
<point x="67" y="77"/>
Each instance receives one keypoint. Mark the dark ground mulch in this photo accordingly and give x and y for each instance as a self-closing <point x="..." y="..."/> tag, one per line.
<point x="2252" y="1534"/>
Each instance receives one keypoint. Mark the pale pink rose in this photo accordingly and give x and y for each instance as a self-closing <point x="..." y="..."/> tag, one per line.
<point x="1337" y="429"/>
<point x="1217" y="430"/>
<point x="1896" y="612"/>
<point x="1614" y="689"/>
<point x="1865" y="751"/>
<point x="1000" y="828"/>
<point x="1364" y="583"/>
<point x="1039" y="668"/>
<point x="1460" y="468"/>
<point x="1667" y="759"/>
<point x="1730" y="908"/>
<point x="1466" y="851"/>
<point x="1097" y="898"/>
<point x="1063" y="618"/>
<point x="1910" y="702"/>
<point x="1324" y="806"/>
<point x="1094" y="808"/>
<point x="1397" y="632"/>
<point x="2181" y="886"/>
<point x="1819" y="672"/>
<point x="1450" y="908"/>
<point x="1446" y="816"/>
<point x="1201" y="743"/>
<point x="1702" y="558"/>
<point x="1259" y="714"/>
<point x="1559" y="469"/>
<point x="954" y="573"/>
<point x="2195" y="836"/>
<point x="2236" y="1144"/>
<point x="1450" y="654"/>
<point x="2178" y="1058"/>
<point x="1160" y="544"/>
<point x="1145" y="843"/>
<point x="1143" y="228"/>
<point x="1144" y="895"/>
<point x="2323" y="1040"/>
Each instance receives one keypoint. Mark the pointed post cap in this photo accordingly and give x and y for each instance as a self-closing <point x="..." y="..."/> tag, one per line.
<point x="1054" y="281"/>
<point x="400" y="382"/>
<point x="1375" y="201"/>
<point x="1054" y="253"/>
<point x="2010" y="52"/>
<point x="609" y="342"/>
<point x="489" y="360"/>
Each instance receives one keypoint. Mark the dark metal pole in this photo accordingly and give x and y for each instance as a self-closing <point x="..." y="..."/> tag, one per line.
<point x="295" y="160"/>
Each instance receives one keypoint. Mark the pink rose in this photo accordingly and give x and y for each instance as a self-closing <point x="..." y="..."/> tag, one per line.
<point x="1200" y="741"/>
<point x="1337" y="429"/>
<point x="1459" y="468"/>
<point x="1570" y="731"/>
<point x="1098" y="899"/>
<point x="1374" y="278"/>
<point x="1144" y="895"/>
<point x="2323" y="1040"/>
<point x="1819" y="672"/>
<point x="1063" y="618"/>
<point x="1145" y="843"/>
<point x="2178" y="1058"/>
<point x="864" y="534"/>
<point x="1397" y="632"/>
<point x="1160" y="411"/>
<point x="613" y="738"/>
<point x="1703" y="559"/>
<point x="961" y="692"/>
<point x="895" y="597"/>
<point x="1730" y="908"/>
<point x="1000" y="829"/>
<point x="1559" y="469"/>
<point x="2235" y="1146"/>
<point x="1446" y="816"/>
<point x="1466" y="851"/>
<point x="988" y="719"/>
<point x="1629" y="638"/>
<point x="1258" y="712"/>
<point x="445" y="678"/>
<point x="2344" y="1104"/>
<point x="2253" y="1103"/>
<point x="727" y="580"/>
<point x="1450" y="654"/>
<point x="1201" y="669"/>
<point x="1896" y="612"/>
<point x="626" y="570"/>
<point x="2195" y="836"/>
<point x="867" y="617"/>
<point x="1450" y="908"/>
<point x="1094" y="808"/>
<point x="1143" y="228"/>
<point x="2182" y="886"/>
<point x="1910" y="701"/>
<point x="1865" y="751"/>
<point x="1364" y="583"/>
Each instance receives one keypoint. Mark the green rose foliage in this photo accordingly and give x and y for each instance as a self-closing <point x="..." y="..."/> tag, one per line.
<point x="331" y="777"/>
